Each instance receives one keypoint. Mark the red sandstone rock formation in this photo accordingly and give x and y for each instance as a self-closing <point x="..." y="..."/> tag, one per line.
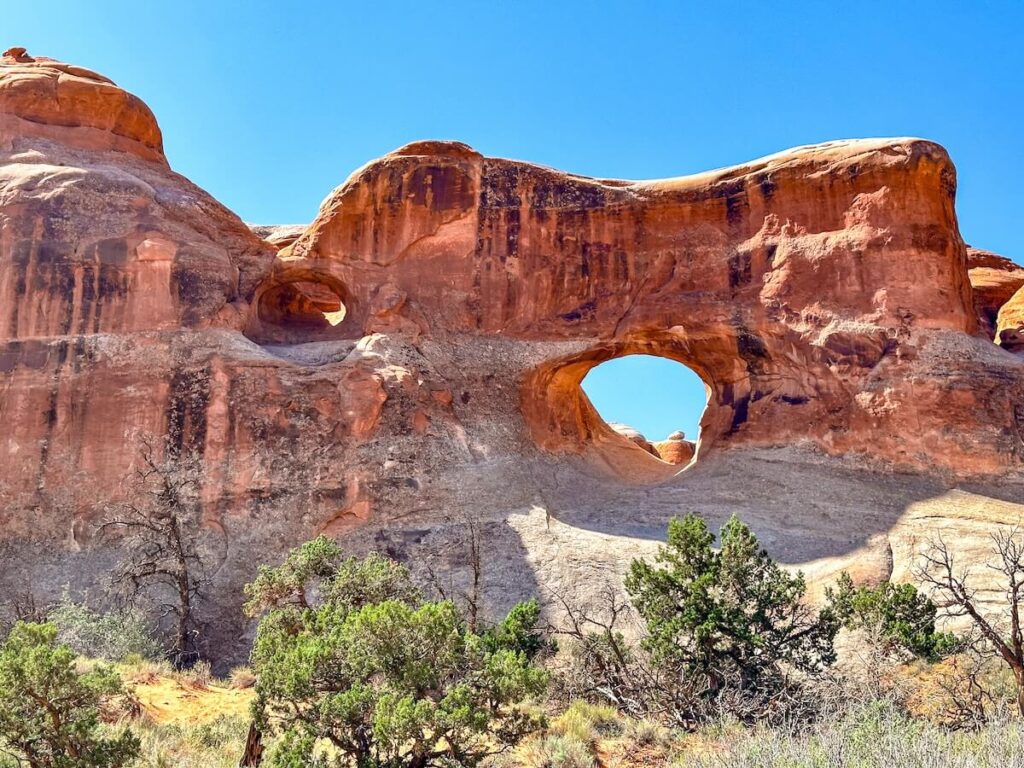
<point x="634" y="436"/>
<point x="1010" y="323"/>
<point x="676" y="449"/>
<point x="279" y="235"/>
<point x="99" y="236"/>
<point x="418" y="349"/>
<point x="45" y="99"/>
<point x="805" y="287"/>
<point x="994" y="279"/>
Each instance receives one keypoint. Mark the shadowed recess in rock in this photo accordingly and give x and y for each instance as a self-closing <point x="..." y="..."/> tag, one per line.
<point x="299" y="309"/>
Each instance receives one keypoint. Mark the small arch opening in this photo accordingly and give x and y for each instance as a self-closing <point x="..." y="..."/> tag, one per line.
<point x="302" y="303"/>
<point x="654" y="402"/>
<point x="302" y="309"/>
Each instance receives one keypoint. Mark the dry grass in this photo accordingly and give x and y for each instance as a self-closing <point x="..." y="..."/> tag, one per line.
<point x="197" y="678"/>
<point x="876" y="735"/>
<point x="899" y="718"/>
<point x="554" y="751"/>
<point x="214" y="743"/>
<point x="242" y="678"/>
<point x="184" y="720"/>
<point x="195" y="721"/>
<point x="594" y="736"/>
<point x="144" y="671"/>
<point x="168" y="697"/>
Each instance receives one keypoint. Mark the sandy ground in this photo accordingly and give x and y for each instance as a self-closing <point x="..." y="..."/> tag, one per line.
<point x="170" y="702"/>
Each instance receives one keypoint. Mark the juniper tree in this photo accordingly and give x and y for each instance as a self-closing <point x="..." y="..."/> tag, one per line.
<point x="382" y="676"/>
<point x="896" y="618"/>
<point x="49" y="714"/>
<point x="727" y="616"/>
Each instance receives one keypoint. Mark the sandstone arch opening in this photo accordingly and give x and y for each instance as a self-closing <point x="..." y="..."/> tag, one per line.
<point x="564" y="420"/>
<point x="654" y="402"/>
<point x="298" y="309"/>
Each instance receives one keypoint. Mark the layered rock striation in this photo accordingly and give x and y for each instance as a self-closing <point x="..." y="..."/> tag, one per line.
<point x="416" y="352"/>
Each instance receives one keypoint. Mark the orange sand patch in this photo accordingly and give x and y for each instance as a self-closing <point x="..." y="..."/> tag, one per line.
<point x="168" y="702"/>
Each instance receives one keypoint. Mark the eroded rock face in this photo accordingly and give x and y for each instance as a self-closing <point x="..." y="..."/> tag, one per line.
<point x="279" y="235"/>
<point x="1010" y="323"/>
<point x="634" y="436"/>
<point x="805" y="288"/>
<point x="98" y="235"/>
<point x="416" y="352"/>
<point x="45" y="99"/>
<point x="677" y="451"/>
<point x="998" y="287"/>
<point x="994" y="280"/>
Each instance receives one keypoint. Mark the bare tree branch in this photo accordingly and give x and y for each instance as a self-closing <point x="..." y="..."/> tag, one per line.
<point x="159" y="531"/>
<point x="958" y="598"/>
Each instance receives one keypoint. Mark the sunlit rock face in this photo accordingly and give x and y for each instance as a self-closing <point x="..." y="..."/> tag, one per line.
<point x="998" y="287"/>
<point x="816" y="291"/>
<point x="675" y="449"/>
<point x="634" y="436"/>
<point x="994" y="280"/>
<point x="43" y="99"/>
<point x="1010" y="323"/>
<point x="416" y="352"/>
<point x="99" y="235"/>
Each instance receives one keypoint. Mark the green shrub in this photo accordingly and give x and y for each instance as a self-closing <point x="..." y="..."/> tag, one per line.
<point x="895" y="616"/>
<point x="112" y="636"/>
<point x="288" y="583"/>
<point x="49" y="713"/>
<point x="383" y="676"/>
<point x="726" y="628"/>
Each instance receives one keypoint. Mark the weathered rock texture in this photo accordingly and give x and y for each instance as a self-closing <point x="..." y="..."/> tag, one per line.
<point x="634" y="436"/>
<point x="994" y="280"/>
<point x="416" y="353"/>
<point x="1010" y="323"/>
<point x="675" y="450"/>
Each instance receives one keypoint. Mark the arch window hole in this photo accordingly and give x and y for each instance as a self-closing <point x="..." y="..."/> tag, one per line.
<point x="654" y="402"/>
<point x="300" y="310"/>
<point x="304" y="303"/>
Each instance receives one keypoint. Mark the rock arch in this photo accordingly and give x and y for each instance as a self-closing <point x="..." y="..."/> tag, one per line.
<point x="822" y="293"/>
<point x="299" y="305"/>
<point x="562" y="419"/>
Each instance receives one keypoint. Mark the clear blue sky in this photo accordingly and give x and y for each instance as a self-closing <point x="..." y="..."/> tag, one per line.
<point x="651" y="394"/>
<point x="269" y="105"/>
